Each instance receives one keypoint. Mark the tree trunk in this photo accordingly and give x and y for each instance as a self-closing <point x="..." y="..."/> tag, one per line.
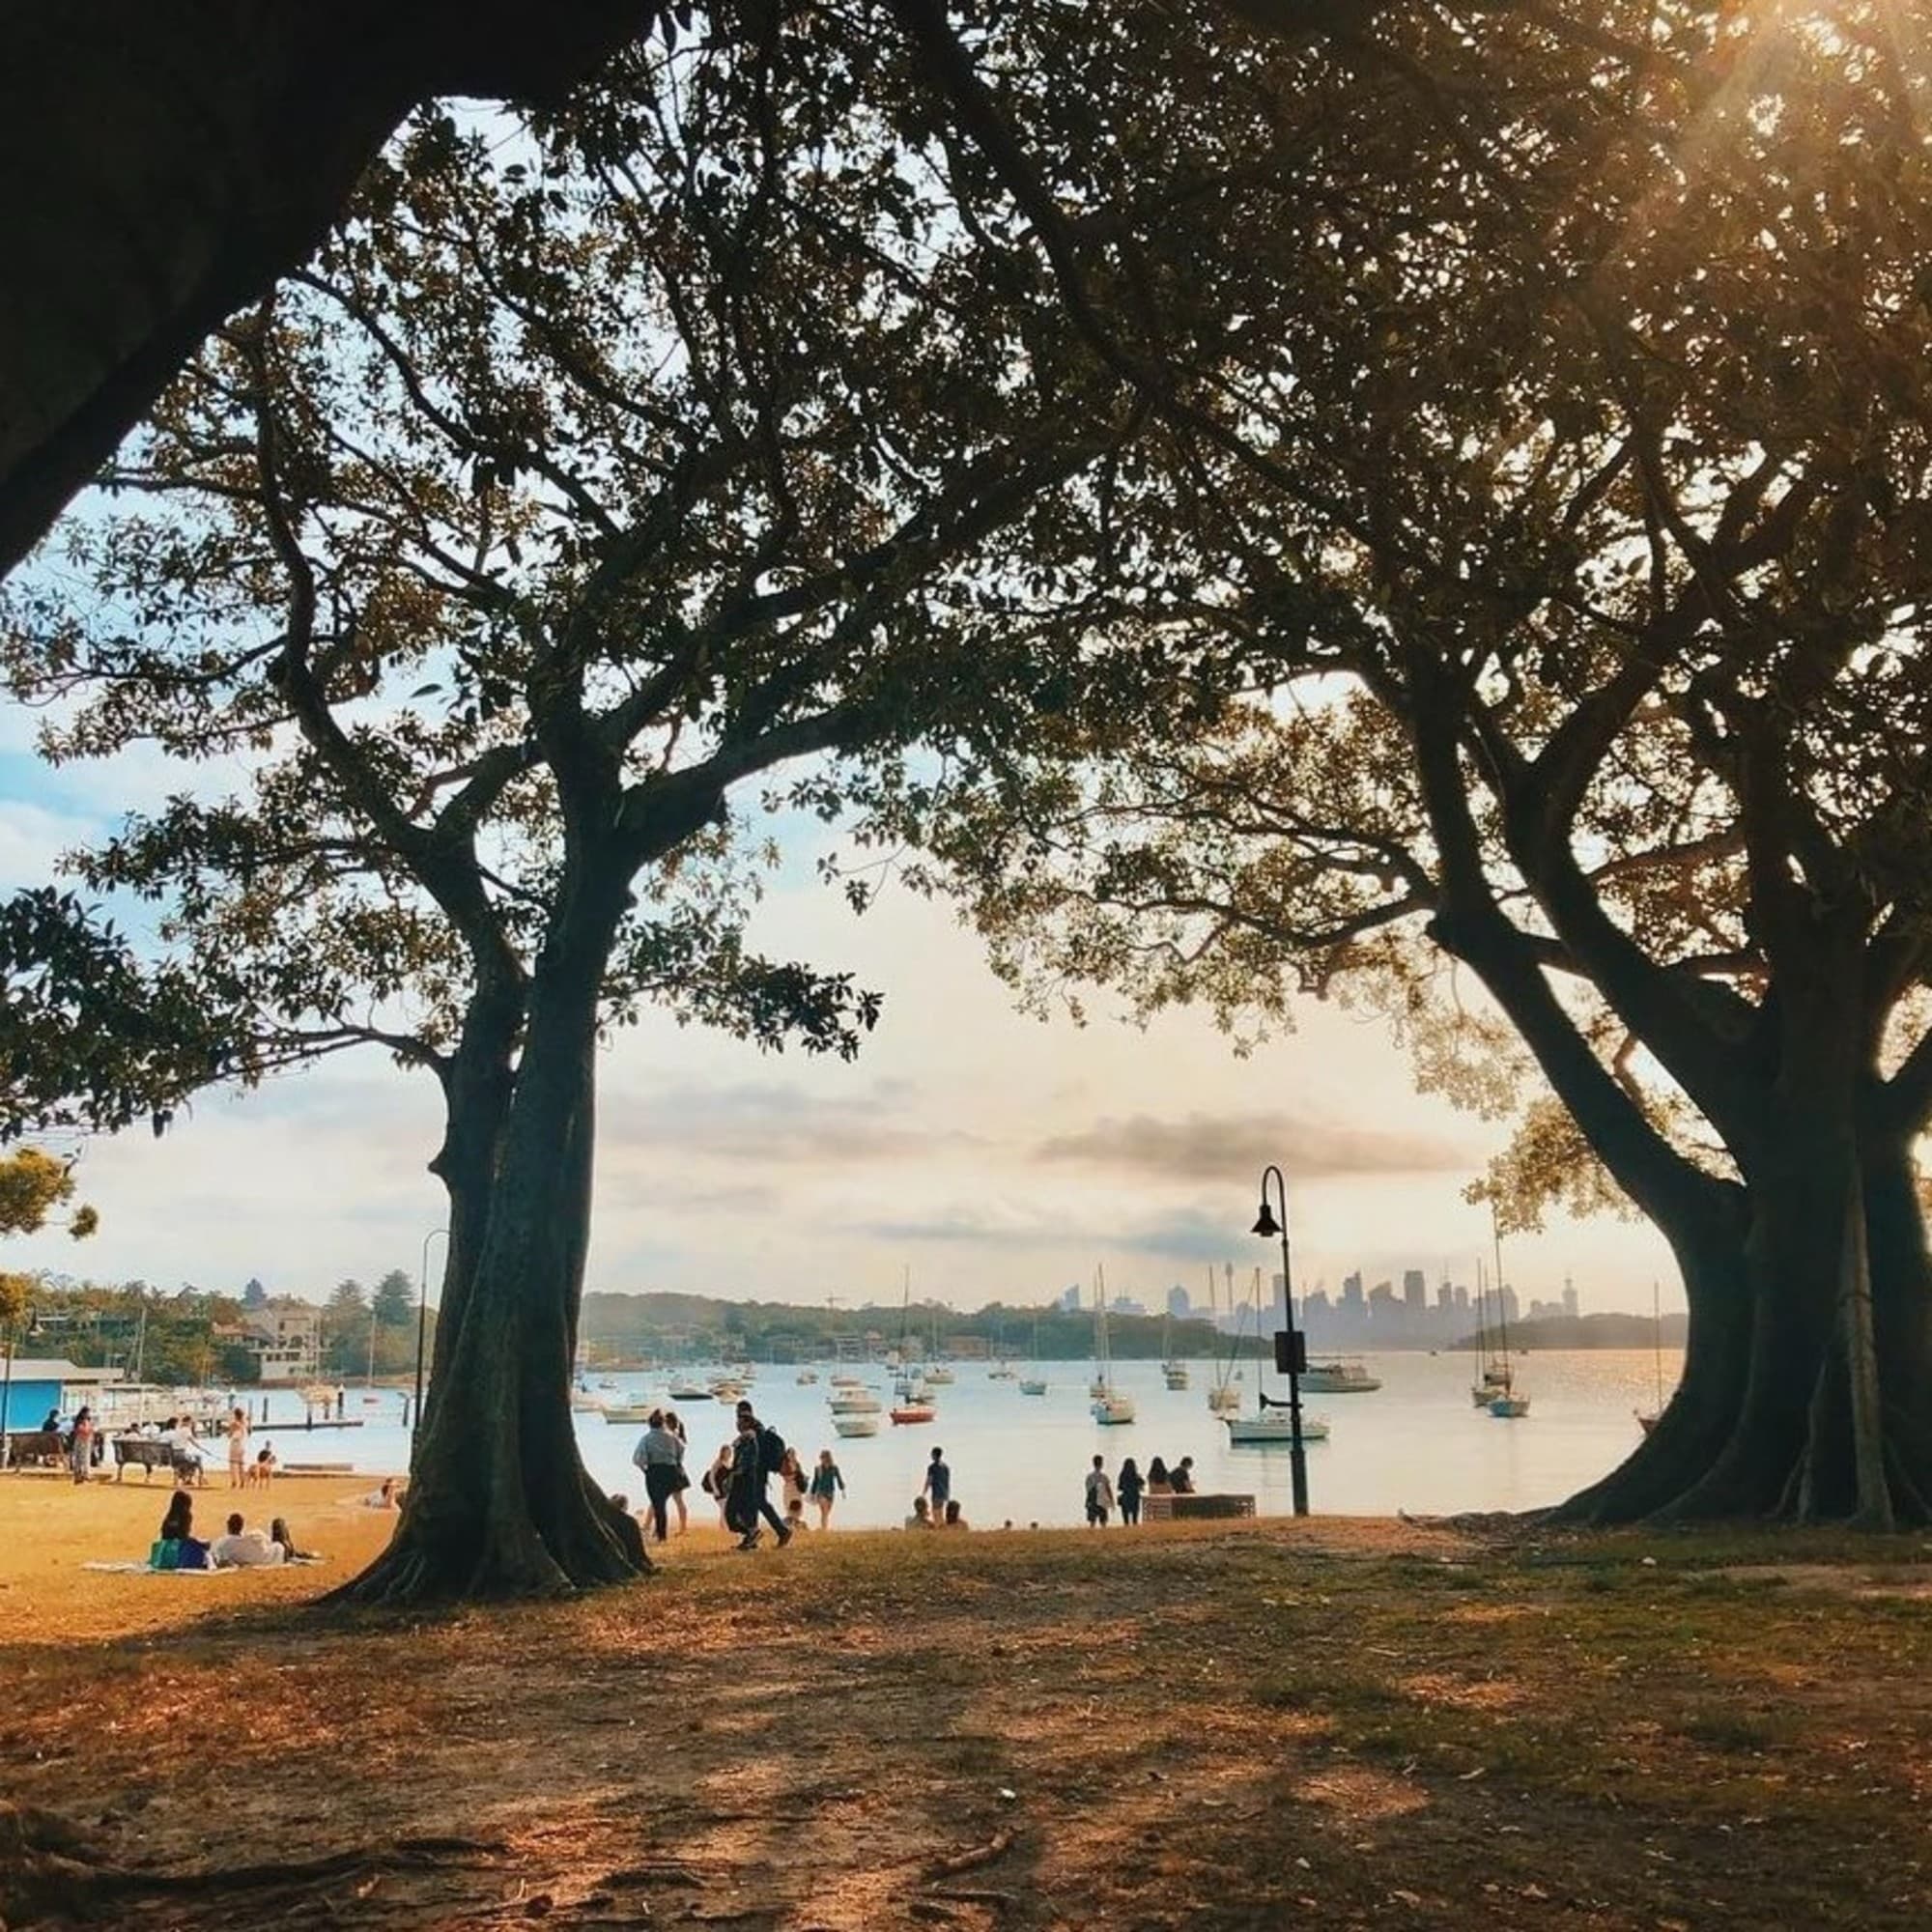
<point x="1796" y="1403"/>
<point x="164" y="164"/>
<point x="500" y="1503"/>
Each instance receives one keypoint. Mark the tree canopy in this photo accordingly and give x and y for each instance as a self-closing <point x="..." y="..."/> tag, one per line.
<point x="1558" y="610"/>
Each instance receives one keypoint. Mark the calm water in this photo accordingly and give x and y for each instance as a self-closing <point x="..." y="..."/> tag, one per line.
<point x="1417" y="1444"/>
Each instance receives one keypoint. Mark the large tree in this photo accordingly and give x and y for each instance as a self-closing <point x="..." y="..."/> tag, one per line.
<point x="577" y="484"/>
<point x="164" y="165"/>
<point x="1556" y="607"/>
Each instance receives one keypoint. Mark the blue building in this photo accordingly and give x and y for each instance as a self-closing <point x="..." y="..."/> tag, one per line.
<point x="38" y="1386"/>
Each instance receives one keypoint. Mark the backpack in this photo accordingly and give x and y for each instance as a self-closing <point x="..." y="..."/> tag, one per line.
<point x="771" y="1450"/>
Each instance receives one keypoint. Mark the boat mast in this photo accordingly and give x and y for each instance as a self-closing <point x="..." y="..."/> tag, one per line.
<point x="1657" y="1341"/>
<point x="1502" y="1305"/>
<point x="1482" y="1328"/>
<point x="1104" y="1359"/>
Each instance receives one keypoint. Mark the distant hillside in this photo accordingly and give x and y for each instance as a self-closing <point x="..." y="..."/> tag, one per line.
<point x="1590" y="1331"/>
<point x="697" y="1327"/>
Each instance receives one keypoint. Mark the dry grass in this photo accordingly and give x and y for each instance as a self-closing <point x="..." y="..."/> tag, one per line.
<point x="1216" y="1726"/>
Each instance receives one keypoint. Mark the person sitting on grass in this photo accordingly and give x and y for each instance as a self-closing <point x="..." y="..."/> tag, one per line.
<point x="244" y="1548"/>
<point x="386" y="1497"/>
<point x="953" y="1520"/>
<point x="178" y="1548"/>
<point x="284" y="1540"/>
<point x="921" y="1516"/>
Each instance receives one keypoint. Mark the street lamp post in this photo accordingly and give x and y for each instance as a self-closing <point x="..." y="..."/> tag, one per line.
<point x="1289" y="1351"/>
<point x="422" y="1323"/>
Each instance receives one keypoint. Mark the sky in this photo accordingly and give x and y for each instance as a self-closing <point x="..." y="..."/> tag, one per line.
<point x="994" y="1155"/>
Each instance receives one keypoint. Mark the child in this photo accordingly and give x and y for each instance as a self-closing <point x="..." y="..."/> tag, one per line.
<point x="261" y="1471"/>
<point x="795" y="1513"/>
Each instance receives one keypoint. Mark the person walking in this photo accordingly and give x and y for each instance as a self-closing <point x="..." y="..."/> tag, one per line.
<point x="1100" y="1495"/>
<point x="793" y="1477"/>
<point x="746" y="1487"/>
<point x="938" y="1485"/>
<point x="660" y="1454"/>
<point x="827" y="1486"/>
<point x="771" y="1460"/>
<point x="238" y="1449"/>
<point x="1128" y="1487"/>
<point x="676" y="1428"/>
<point x="80" y="1445"/>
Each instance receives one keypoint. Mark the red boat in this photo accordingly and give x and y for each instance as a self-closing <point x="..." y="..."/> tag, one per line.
<point x="914" y="1411"/>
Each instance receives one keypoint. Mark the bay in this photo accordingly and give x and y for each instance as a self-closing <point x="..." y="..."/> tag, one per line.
<point x="1417" y="1444"/>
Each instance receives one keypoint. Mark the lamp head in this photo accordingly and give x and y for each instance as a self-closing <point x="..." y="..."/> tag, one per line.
<point x="1264" y="1222"/>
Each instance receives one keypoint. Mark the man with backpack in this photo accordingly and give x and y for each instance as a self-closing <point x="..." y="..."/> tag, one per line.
<point x="770" y="1452"/>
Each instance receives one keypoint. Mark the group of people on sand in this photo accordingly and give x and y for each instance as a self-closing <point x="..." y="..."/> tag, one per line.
<point x="244" y="1474"/>
<point x="934" y="1507"/>
<point x="1128" y="1488"/>
<point x="238" y="1548"/>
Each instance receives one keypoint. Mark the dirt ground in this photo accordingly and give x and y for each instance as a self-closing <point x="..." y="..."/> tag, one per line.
<point x="1237" y="1726"/>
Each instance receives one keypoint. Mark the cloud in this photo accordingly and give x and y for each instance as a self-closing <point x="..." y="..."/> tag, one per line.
<point x="775" y="1124"/>
<point x="1186" y="1234"/>
<point x="1210" y="1146"/>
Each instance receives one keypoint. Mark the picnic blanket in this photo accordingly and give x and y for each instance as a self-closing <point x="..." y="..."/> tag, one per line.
<point x="221" y="1570"/>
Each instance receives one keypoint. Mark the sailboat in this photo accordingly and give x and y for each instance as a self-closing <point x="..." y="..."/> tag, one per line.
<point x="1224" y="1399"/>
<point x="1174" y="1372"/>
<point x="1507" y="1405"/>
<point x="939" y="1374"/>
<point x="1493" y="1377"/>
<point x="1271" y="1423"/>
<point x="1110" y="1407"/>
<point x="910" y="1401"/>
<point x="1649" y="1422"/>
<point x="1034" y="1383"/>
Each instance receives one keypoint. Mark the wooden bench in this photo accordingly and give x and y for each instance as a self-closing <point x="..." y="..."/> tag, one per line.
<point x="150" y="1454"/>
<point x="30" y="1447"/>
<point x="1193" y="1507"/>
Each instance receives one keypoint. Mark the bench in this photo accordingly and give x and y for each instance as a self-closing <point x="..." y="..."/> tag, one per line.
<point x="1190" y="1508"/>
<point x="150" y="1454"/>
<point x="27" y="1447"/>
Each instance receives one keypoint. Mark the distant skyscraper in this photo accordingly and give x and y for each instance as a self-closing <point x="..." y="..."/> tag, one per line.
<point x="1351" y="1294"/>
<point x="1462" y="1297"/>
<point x="1180" y="1303"/>
<point x="1414" y="1289"/>
<point x="1381" y="1302"/>
<point x="1569" y="1299"/>
<point x="1446" y="1297"/>
<point x="1069" y="1299"/>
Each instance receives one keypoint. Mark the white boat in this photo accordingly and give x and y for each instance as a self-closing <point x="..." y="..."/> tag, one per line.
<point x="856" y="1401"/>
<point x="1033" y="1385"/>
<point x="855" y="1424"/>
<point x="848" y="1382"/>
<point x="583" y="1403"/>
<point x="1224" y="1400"/>
<point x="630" y="1412"/>
<point x="1273" y="1425"/>
<point x="1339" y="1375"/>
<point x="1510" y="1407"/>
<point x="939" y="1377"/>
<point x="1110" y="1407"/>
<point x="1001" y="1374"/>
<point x="1173" y="1371"/>
<point x="689" y="1392"/>
<point x="1175" y="1375"/>
<point x="806" y="1378"/>
<point x="1506" y="1400"/>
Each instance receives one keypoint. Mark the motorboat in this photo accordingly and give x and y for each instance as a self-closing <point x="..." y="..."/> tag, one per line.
<point x="1339" y="1375"/>
<point x="856" y="1401"/>
<point x="848" y="1382"/>
<point x="689" y="1392"/>
<point x="1113" y="1408"/>
<point x="807" y="1376"/>
<point x="855" y="1424"/>
<point x="1273" y="1426"/>
<point x="630" y="1412"/>
<point x="1033" y="1385"/>
<point x="1001" y="1374"/>
<point x="914" y="1411"/>
<point x="939" y="1377"/>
